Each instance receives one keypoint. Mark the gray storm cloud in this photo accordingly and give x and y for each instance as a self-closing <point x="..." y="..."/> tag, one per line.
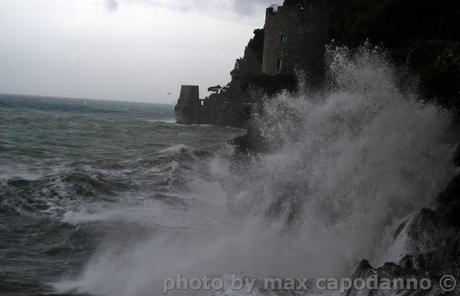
<point x="241" y="7"/>
<point x="112" y="5"/>
<point x="122" y="49"/>
<point x="245" y="7"/>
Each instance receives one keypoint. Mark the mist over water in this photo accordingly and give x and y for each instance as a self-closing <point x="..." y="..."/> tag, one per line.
<point x="347" y="164"/>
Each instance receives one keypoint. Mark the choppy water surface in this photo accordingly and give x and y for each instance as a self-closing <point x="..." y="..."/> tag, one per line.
<point x="75" y="174"/>
<point x="110" y="198"/>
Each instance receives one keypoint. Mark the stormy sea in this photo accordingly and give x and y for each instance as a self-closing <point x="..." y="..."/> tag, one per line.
<point x="76" y="174"/>
<point x="110" y="198"/>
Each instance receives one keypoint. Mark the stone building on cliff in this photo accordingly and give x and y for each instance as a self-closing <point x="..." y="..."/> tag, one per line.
<point x="190" y="109"/>
<point x="293" y="40"/>
<point x="295" y="37"/>
<point x="189" y="106"/>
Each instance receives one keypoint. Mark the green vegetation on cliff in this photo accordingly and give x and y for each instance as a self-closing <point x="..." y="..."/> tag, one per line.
<point x="247" y="76"/>
<point x="423" y="34"/>
<point x="395" y="22"/>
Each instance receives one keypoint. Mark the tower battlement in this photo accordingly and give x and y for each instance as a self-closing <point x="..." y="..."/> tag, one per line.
<point x="295" y="35"/>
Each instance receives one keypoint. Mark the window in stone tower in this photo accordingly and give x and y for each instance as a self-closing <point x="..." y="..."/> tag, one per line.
<point x="283" y="38"/>
<point x="279" y="65"/>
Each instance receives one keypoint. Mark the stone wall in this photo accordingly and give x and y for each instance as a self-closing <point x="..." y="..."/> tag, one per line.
<point x="188" y="106"/>
<point x="295" y="36"/>
<point x="213" y="110"/>
<point x="294" y="39"/>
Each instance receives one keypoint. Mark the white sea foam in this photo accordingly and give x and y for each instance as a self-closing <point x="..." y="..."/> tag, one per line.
<point x="169" y="121"/>
<point x="177" y="149"/>
<point x="346" y="164"/>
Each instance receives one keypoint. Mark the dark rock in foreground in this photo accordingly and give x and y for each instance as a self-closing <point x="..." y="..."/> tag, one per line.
<point x="434" y="239"/>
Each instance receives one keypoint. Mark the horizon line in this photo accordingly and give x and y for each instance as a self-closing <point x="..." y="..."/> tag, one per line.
<point x="81" y="98"/>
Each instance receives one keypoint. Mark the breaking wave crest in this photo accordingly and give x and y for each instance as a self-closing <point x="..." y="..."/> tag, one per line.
<point x="346" y="164"/>
<point x="67" y="191"/>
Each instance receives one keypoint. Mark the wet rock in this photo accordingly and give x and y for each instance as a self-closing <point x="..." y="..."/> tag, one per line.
<point x="425" y="231"/>
<point x="457" y="154"/>
<point x="389" y="278"/>
<point x="433" y="243"/>
<point x="446" y="259"/>
<point x="449" y="203"/>
<point x="252" y="142"/>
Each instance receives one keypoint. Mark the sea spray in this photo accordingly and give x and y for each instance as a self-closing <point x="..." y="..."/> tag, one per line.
<point x="346" y="164"/>
<point x="353" y="158"/>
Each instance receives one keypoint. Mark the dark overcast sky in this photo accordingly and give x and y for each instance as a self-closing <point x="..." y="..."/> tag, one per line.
<point x="136" y="50"/>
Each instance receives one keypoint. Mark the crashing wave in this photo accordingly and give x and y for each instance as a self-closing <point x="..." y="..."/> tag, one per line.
<point x="346" y="164"/>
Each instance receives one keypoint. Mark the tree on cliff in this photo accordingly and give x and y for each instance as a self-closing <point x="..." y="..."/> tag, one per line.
<point x="247" y="73"/>
<point x="291" y="2"/>
<point x="423" y="34"/>
<point x="251" y="62"/>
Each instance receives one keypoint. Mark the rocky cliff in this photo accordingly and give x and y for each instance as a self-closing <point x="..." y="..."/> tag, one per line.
<point x="433" y="235"/>
<point x="420" y="35"/>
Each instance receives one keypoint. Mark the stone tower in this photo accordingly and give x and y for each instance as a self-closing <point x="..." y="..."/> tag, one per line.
<point x="188" y="108"/>
<point x="189" y="96"/>
<point x="295" y="37"/>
